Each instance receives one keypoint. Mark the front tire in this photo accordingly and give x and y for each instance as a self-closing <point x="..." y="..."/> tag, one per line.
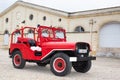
<point x="17" y="60"/>
<point x="82" y="66"/>
<point x="60" y="64"/>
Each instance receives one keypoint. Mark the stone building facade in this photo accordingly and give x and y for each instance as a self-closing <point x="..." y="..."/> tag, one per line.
<point x="100" y="28"/>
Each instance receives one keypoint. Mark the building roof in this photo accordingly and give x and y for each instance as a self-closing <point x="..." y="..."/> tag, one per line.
<point x="35" y="6"/>
<point x="97" y="12"/>
<point x="63" y="13"/>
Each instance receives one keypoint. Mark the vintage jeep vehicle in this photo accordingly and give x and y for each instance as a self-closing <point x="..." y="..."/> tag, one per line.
<point x="49" y="46"/>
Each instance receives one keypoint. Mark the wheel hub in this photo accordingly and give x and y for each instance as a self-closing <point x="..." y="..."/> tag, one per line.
<point x="17" y="60"/>
<point x="59" y="65"/>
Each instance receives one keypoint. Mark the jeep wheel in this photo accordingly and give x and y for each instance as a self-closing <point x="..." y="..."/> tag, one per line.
<point x="60" y="64"/>
<point x="82" y="66"/>
<point x="41" y="64"/>
<point x="17" y="60"/>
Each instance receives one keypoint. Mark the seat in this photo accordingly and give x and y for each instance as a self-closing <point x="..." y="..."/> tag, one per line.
<point x="32" y="42"/>
<point x="33" y="45"/>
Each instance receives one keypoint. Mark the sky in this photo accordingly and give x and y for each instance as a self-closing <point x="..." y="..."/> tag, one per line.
<point x="67" y="5"/>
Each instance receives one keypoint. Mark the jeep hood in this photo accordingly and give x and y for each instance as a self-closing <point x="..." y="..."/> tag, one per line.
<point x="59" y="45"/>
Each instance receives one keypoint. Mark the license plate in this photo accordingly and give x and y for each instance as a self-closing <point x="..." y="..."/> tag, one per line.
<point x="82" y="51"/>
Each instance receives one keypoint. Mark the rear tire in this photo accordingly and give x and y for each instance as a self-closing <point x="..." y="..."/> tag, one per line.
<point x="60" y="64"/>
<point x="17" y="60"/>
<point x="82" y="66"/>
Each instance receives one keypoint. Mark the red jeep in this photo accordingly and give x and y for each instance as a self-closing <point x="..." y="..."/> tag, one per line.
<point x="49" y="46"/>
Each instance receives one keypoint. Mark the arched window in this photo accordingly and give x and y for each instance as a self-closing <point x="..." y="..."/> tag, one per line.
<point x="6" y="32"/>
<point x="44" y="18"/>
<point x="31" y="17"/>
<point x="6" y="20"/>
<point x="79" y="29"/>
<point x="59" y="19"/>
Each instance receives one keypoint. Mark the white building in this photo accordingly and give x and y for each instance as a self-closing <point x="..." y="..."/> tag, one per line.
<point x="104" y="23"/>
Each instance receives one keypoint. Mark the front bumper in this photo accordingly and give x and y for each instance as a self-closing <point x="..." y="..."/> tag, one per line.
<point x="86" y="58"/>
<point x="75" y="59"/>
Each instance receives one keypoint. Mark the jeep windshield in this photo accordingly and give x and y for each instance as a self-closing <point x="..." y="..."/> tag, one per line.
<point x="59" y="34"/>
<point x="53" y="33"/>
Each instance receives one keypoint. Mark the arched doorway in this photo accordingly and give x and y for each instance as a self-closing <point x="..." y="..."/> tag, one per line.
<point x="79" y="29"/>
<point x="6" y="37"/>
<point x="109" y="36"/>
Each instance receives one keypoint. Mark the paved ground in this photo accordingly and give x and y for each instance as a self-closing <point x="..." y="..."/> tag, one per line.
<point x="102" y="69"/>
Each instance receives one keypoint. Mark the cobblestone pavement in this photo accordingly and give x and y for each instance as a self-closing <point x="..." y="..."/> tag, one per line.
<point x="102" y="69"/>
